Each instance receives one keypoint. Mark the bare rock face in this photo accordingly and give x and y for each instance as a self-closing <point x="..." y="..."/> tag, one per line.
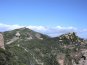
<point x="83" y="59"/>
<point x="39" y="36"/>
<point x="60" y="59"/>
<point x="30" y="38"/>
<point x="17" y="34"/>
<point x="1" y="41"/>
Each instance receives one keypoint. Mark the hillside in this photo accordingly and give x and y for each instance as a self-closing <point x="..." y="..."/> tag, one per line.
<point x="27" y="47"/>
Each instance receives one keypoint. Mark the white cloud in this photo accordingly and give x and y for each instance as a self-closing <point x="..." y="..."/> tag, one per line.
<point x="5" y="27"/>
<point x="58" y="30"/>
<point x="60" y="27"/>
<point x="51" y="31"/>
<point x="38" y="28"/>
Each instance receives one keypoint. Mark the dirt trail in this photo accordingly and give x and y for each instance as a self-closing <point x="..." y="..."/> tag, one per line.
<point x="12" y="40"/>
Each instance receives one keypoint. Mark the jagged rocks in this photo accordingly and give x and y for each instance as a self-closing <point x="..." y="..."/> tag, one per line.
<point x="70" y="38"/>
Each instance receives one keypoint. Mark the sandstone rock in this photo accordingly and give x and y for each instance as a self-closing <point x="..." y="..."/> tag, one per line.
<point x="1" y="41"/>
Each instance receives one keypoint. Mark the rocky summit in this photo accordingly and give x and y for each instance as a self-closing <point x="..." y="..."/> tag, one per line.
<point x="27" y="47"/>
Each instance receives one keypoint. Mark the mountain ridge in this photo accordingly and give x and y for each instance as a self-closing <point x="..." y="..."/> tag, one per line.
<point x="27" y="47"/>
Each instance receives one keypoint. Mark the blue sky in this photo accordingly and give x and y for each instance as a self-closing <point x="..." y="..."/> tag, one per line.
<point x="45" y="13"/>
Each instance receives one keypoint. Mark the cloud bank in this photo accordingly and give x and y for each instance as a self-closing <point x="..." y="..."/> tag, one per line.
<point x="51" y="31"/>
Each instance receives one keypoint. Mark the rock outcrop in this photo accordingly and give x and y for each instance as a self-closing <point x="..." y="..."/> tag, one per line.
<point x="83" y="59"/>
<point x="60" y="59"/>
<point x="39" y="36"/>
<point x="1" y="41"/>
<point x="17" y="34"/>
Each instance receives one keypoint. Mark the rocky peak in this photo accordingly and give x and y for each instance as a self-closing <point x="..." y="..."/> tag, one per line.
<point x="68" y="36"/>
<point x="71" y="38"/>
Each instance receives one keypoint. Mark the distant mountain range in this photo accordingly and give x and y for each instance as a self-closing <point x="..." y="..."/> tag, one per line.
<point x="27" y="47"/>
